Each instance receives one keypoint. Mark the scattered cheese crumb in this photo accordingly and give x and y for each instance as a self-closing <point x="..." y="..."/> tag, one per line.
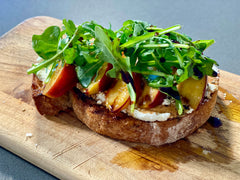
<point x="28" y="135"/>
<point x="190" y="110"/>
<point x="3" y="102"/>
<point x="166" y="102"/>
<point x="228" y="102"/>
<point x="224" y="96"/>
<point x="212" y="87"/>
<point x="215" y="68"/>
<point x="42" y="74"/>
<point x="36" y="145"/>
<point x="100" y="97"/>
<point x="206" y="152"/>
<point x="124" y="111"/>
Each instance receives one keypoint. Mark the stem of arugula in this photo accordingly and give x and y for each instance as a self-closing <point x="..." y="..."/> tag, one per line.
<point x="178" y="34"/>
<point x="164" y="45"/>
<point x="144" y="37"/>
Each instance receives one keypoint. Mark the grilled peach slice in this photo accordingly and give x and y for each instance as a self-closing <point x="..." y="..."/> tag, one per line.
<point x="117" y="97"/>
<point x="102" y="81"/>
<point x="63" y="79"/>
<point x="193" y="90"/>
<point x="151" y="97"/>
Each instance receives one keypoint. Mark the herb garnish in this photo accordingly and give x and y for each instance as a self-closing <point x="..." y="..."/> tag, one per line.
<point x="164" y="57"/>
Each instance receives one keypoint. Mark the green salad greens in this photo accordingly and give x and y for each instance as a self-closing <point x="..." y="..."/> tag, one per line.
<point x="164" y="57"/>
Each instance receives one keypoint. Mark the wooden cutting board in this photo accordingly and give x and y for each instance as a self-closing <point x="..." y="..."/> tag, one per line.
<point x="66" y="148"/>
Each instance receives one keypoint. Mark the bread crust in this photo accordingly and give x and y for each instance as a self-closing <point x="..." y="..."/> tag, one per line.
<point x="120" y="125"/>
<point x="46" y="105"/>
<point x="123" y="127"/>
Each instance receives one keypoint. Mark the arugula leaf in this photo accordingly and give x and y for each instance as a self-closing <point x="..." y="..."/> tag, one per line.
<point x="90" y="59"/>
<point x="90" y="27"/>
<point x="109" y="54"/>
<point x="69" y="26"/>
<point x="203" y="44"/>
<point x="130" y="29"/>
<point x="186" y="72"/>
<point x="86" y="73"/>
<point x="69" y="55"/>
<point x="158" y="82"/>
<point x="46" y="44"/>
<point x="138" y="29"/>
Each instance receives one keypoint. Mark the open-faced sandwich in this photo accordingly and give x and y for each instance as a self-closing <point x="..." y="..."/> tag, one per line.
<point x="140" y="83"/>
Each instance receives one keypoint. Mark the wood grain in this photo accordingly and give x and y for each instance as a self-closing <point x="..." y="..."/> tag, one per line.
<point x="66" y="148"/>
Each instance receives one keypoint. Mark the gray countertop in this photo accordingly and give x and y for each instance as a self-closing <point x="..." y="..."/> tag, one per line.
<point x="215" y="19"/>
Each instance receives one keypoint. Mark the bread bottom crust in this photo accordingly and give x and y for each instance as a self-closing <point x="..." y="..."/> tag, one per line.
<point x="123" y="127"/>
<point x="46" y="105"/>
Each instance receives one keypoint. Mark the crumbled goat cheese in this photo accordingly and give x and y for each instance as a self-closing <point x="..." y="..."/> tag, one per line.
<point x="150" y="116"/>
<point x="42" y="74"/>
<point x="212" y="87"/>
<point x="166" y="102"/>
<point x="224" y="96"/>
<point x="228" y="102"/>
<point x="28" y="134"/>
<point x="124" y="111"/>
<point x="215" y="68"/>
<point x="190" y="110"/>
<point x="207" y="93"/>
<point x="206" y="152"/>
<point x="101" y="98"/>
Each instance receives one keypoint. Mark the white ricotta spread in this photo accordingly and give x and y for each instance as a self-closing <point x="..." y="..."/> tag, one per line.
<point x="149" y="116"/>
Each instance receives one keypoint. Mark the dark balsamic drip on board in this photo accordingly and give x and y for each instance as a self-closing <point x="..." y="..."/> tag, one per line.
<point x="215" y="122"/>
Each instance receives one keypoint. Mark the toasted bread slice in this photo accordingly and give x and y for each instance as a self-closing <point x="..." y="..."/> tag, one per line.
<point x="120" y="125"/>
